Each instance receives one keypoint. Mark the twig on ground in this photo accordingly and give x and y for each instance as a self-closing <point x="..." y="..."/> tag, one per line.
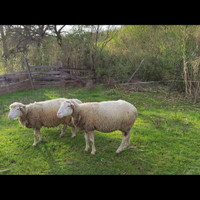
<point x="184" y="170"/>
<point x="4" y="170"/>
<point x="147" y="162"/>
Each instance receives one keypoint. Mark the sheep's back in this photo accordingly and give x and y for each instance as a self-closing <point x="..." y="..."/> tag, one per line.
<point x="45" y="114"/>
<point x="108" y="116"/>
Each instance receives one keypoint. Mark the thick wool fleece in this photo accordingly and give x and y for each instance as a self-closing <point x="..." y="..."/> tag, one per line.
<point x="43" y="113"/>
<point x="106" y="116"/>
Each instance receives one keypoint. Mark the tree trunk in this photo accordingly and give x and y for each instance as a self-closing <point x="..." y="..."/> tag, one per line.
<point x="5" y="48"/>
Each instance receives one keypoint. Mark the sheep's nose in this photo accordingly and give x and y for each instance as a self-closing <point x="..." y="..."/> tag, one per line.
<point x="58" y="114"/>
<point x="9" y="117"/>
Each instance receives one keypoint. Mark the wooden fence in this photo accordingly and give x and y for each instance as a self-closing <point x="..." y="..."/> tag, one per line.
<point x="14" y="81"/>
<point x="42" y="76"/>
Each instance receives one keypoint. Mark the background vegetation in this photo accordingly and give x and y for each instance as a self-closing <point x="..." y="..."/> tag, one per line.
<point x="170" y="52"/>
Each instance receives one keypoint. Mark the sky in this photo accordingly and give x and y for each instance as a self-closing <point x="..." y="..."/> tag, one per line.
<point x="67" y="28"/>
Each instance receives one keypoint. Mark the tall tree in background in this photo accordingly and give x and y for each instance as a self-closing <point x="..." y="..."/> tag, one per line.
<point x="4" y="41"/>
<point x="18" y="37"/>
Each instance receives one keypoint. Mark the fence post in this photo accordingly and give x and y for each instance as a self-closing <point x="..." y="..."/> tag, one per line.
<point x="29" y="73"/>
<point x="60" y="65"/>
<point x="135" y="71"/>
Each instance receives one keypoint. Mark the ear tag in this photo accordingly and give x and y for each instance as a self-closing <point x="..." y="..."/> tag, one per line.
<point x="21" y="109"/>
<point x="72" y="106"/>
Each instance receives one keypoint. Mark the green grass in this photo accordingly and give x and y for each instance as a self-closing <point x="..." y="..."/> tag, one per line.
<point x="164" y="139"/>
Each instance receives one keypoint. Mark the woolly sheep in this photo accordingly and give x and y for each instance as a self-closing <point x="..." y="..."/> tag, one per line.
<point x="106" y="116"/>
<point x="38" y="114"/>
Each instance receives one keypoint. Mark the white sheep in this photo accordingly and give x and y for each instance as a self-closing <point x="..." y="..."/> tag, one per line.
<point x="106" y="116"/>
<point x="39" y="114"/>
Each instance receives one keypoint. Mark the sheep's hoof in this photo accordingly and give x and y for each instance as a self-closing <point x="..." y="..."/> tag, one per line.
<point x="118" y="151"/>
<point x="93" y="152"/>
<point x="126" y="147"/>
<point x="73" y="135"/>
<point x="40" y="139"/>
<point x="61" y="135"/>
<point x="86" y="149"/>
<point x="34" y="144"/>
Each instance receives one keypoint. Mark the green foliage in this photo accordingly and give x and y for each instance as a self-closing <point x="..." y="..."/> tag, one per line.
<point x="170" y="52"/>
<point x="164" y="138"/>
<point x="163" y="48"/>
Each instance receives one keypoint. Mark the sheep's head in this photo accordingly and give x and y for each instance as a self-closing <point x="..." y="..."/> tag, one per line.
<point x="16" y="110"/>
<point x="66" y="108"/>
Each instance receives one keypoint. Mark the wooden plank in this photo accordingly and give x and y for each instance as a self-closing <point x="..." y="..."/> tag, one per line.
<point x="3" y="91"/>
<point x="47" y="82"/>
<point x="43" y="67"/>
<point x="52" y="72"/>
<point x="16" y="78"/>
<point x="18" y="85"/>
<point x="73" y="77"/>
<point x="37" y="86"/>
<point x="69" y="81"/>
<point x="76" y="69"/>
<point x="29" y="73"/>
<point x="15" y="87"/>
<point x="46" y="78"/>
<point x="22" y="87"/>
<point x="13" y="73"/>
<point x="61" y="73"/>
<point x="84" y="77"/>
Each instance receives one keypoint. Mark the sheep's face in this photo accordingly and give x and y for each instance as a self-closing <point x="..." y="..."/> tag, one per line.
<point x="16" y="110"/>
<point x="66" y="108"/>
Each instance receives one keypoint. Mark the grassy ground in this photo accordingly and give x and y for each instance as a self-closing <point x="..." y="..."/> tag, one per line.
<point x="164" y="139"/>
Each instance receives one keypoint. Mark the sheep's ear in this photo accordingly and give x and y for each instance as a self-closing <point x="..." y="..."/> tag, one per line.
<point x="70" y="103"/>
<point x="22" y="108"/>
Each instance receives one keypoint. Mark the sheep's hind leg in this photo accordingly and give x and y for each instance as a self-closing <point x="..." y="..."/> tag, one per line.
<point x="40" y="136"/>
<point x="122" y="143"/>
<point x="92" y="142"/>
<point x="126" y="140"/>
<point x="63" y="130"/>
<point x="35" y="137"/>
<point x="86" y="141"/>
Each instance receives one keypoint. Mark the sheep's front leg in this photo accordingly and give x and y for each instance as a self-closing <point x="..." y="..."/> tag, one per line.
<point x="91" y="133"/>
<point x="73" y="132"/>
<point x="58" y="127"/>
<point x="63" y="130"/>
<point x="35" y="136"/>
<point x="86" y="141"/>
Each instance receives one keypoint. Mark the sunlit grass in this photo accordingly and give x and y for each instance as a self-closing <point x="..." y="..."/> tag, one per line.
<point x="164" y="139"/>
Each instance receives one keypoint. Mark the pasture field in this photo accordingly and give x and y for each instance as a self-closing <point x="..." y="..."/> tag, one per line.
<point x="165" y="138"/>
